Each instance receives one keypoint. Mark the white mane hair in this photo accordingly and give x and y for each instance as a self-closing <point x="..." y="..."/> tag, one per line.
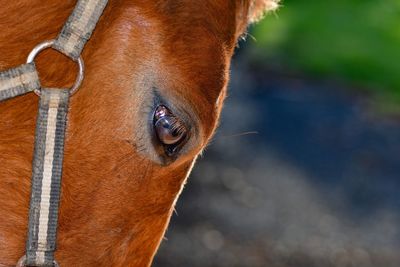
<point x="258" y="8"/>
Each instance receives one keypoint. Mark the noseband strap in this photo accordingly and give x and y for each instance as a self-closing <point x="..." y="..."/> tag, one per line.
<point x="18" y="81"/>
<point x="50" y="132"/>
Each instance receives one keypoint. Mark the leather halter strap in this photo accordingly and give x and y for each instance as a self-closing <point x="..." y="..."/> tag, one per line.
<point x="18" y="81"/>
<point x="79" y="27"/>
<point x="46" y="177"/>
<point x="50" y="133"/>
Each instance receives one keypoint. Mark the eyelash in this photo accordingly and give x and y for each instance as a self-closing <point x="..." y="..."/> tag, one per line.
<point x="177" y="126"/>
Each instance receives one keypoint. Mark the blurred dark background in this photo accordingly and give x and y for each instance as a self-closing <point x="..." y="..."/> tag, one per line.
<point x="304" y="170"/>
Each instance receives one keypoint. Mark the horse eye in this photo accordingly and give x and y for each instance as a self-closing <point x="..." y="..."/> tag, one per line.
<point x="170" y="130"/>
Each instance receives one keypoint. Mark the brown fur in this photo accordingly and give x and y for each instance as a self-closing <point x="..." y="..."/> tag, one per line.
<point x="116" y="197"/>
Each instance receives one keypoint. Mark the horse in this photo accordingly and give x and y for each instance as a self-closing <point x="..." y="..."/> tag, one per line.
<point x="148" y="63"/>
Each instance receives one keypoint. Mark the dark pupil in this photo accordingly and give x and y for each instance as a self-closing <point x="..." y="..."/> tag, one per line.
<point x="170" y="131"/>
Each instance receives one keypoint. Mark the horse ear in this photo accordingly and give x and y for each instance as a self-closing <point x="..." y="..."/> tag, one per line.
<point x="259" y="7"/>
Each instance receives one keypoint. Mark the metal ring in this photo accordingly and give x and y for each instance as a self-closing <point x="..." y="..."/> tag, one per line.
<point x="22" y="262"/>
<point x="47" y="44"/>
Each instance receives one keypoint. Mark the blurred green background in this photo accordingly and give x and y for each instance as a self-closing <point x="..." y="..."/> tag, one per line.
<point x="355" y="41"/>
<point x="304" y="170"/>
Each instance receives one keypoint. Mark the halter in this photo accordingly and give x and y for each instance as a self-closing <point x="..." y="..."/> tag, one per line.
<point x="50" y="129"/>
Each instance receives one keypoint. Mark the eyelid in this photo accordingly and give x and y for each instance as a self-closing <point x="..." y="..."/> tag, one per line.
<point x="187" y="114"/>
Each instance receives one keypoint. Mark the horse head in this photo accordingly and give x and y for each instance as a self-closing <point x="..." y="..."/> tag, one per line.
<point x="156" y="79"/>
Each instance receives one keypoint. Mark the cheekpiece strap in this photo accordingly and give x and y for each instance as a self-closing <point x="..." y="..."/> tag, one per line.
<point x="79" y="27"/>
